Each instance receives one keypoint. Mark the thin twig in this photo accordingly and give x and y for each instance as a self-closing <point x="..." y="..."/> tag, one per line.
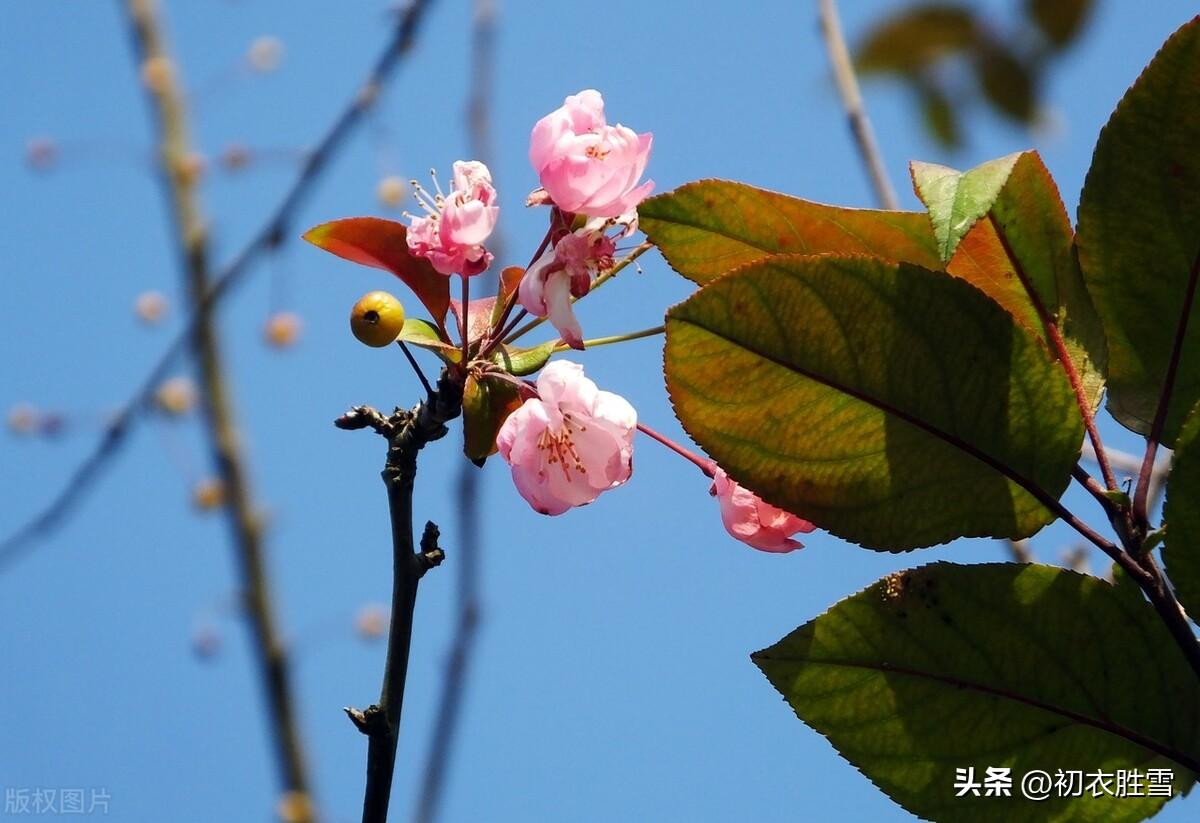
<point x="1021" y="551"/>
<point x="271" y="235"/>
<point x="407" y="432"/>
<point x="470" y="480"/>
<point x="191" y="237"/>
<point x="860" y="125"/>
<point x="1050" y="324"/>
<point x="416" y="367"/>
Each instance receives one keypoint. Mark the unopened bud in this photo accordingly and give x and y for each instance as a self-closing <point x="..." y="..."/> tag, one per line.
<point x="371" y="621"/>
<point x="392" y="191"/>
<point x="150" y="307"/>
<point x="176" y="396"/>
<point x="41" y="153"/>
<point x="265" y="54"/>
<point x="282" y="329"/>
<point x="208" y="494"/>
<point x="158" y="74"/>
<point x="23" y="419"/>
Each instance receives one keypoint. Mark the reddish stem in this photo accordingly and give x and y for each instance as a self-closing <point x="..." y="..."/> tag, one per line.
<point x="705" y="465"/>
<point x="1060" y="348"/>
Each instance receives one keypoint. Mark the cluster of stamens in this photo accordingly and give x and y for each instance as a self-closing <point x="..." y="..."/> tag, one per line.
<point x="560" y="448"/>
<point x="431" y="203"/>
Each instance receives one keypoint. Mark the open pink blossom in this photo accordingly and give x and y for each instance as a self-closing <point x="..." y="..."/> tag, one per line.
<point x="570" y="443"/>
<point x="566" y="271"/>
<point x="452" y="233"/>
<point x="754" y="522"/>
<point x="586" y="166"/>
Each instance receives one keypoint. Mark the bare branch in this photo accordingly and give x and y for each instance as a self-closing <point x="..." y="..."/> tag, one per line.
<point x="191" y="238"/>
<point x="468" y="608"/>
<point x="407" y="432"/>
<point x="271" y="235"/>
<point x="860" y="124"/>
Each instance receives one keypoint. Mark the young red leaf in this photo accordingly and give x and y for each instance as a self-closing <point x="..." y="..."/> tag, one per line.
<point x="381" y="244"/>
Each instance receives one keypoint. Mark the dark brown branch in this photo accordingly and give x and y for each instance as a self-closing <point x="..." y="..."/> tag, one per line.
<point x="273" y="232"/>
<point x="856" y="112"/>
<point x="407" y="432"/>
<point x="191" y="237"/>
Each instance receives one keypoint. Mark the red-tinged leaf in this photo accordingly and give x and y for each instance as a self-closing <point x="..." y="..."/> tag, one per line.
<point x="381" y="244"/>
<point x="510" y="279"/>
<point x="486" y="405"/>
<point x="479" y="316"/>
<point x="707" y="228"/>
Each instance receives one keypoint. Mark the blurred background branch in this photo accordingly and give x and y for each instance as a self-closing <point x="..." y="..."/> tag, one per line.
<point x="471" y="532"/>
<point x="162" y="79"/>
<point x="271" y="235"/>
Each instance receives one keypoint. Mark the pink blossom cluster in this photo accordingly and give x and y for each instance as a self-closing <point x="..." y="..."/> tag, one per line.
<point x="569" y="441"/>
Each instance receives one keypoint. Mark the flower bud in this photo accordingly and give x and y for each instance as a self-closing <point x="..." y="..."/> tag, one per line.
<point x="282" y="329"/>
<point x="208" y="494"/>
<point x="377" y="319"/>
<point x="150" y="307"/>
<point x="392" y="191"/>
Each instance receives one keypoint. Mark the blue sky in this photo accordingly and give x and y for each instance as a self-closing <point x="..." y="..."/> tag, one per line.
<point x="612" y="680"/>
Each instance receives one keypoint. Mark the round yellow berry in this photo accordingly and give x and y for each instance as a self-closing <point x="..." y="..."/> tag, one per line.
<point x="377" y="319"/>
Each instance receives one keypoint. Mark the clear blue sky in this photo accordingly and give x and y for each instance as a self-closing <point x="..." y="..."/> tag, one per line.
<point x="612" y="680"/>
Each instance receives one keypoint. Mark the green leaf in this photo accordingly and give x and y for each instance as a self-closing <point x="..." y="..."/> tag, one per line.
<point x="523" y="361"/>
<point x="1022" y="256"/>
<point x="424" y="334"/>
<point x="909" y="41"/>
<point x="486" y="404"/>
<point x="1025" y="667"/>
<point x="1007" y="82"/>
<point x="891" y="405"/>
<point x="707" y="228"/>
<point x="940" y="117"/>
<point x="1139" y="238"/>
<point x="957" y="200"/>
<point x="1181" y="552"/>
<point x="382" y="244"/>
<point x="1059" y="20"/>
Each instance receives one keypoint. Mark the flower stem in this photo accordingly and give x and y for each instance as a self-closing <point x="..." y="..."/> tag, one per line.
<point x="464" y="318"/>
<point x="617" y="338"/>
<point x="704" y="464"/>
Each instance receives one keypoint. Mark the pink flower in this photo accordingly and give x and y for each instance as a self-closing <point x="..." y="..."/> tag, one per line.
<point x="566" y="270"/>
<point x="452" y="233"/>
<point x="570" y="443"/>
<point x="754" y="522"/>
<point x="586" y="166"/>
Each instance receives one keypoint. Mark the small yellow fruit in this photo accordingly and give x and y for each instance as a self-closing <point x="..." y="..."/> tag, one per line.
<point x="377" y="319"/>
